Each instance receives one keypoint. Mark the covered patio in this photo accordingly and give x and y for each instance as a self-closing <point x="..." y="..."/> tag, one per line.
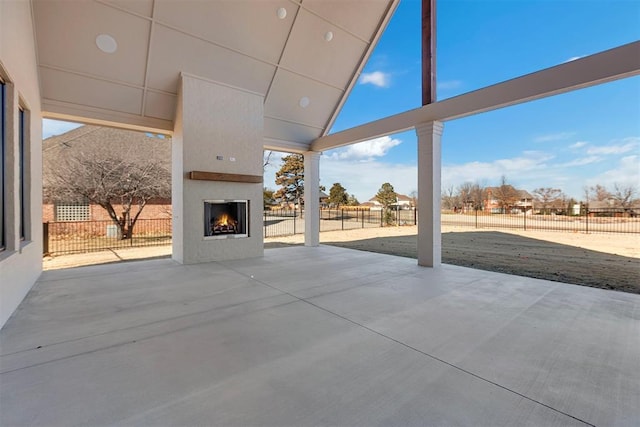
<point x="226" y="333"/>
<point x="317" y="336"/>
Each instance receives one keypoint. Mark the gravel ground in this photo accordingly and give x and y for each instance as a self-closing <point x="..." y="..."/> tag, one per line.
<point x="607" y="261"/>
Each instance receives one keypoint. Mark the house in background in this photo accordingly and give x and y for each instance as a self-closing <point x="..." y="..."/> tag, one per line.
<point x="87" y="140"/>
<point x="513" y="201"/>
<point x="403" y="202"/>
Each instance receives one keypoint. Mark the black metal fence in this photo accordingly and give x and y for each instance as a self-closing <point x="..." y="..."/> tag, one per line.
<point x="590" y="222"/>
<point x="283" y="222"/>
<point x="88" y="236"/>
<point x="70" y="237"/>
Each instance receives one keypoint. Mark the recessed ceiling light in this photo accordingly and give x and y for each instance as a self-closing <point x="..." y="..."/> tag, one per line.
<point x="106" y="43"/>
<point x="328" y="36"/>
<point x="304" y="102"/>
<point x="282" y="13"/>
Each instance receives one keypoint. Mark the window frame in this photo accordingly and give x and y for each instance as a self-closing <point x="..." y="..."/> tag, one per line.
<point x="3" y="166"/>
<point x="22" y="175"/>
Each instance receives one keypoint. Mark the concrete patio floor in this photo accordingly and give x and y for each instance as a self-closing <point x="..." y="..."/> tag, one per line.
<point x="317" y="336"/>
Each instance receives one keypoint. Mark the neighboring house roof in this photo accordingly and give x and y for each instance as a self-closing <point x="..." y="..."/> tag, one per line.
<point x="138" y="146"/>
<point x="522" y="194"/>
<point x="323" y="195"/>
<point x="401" y="200"/>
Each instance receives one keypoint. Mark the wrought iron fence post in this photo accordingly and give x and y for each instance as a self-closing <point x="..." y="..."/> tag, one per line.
<point x="342" y="218"/>
<point x="264" y="222"/>
<point x="586" y="213"/>
<point x="45" y="238"/>
<point x="362" y="210"/>
<point x="525" y="219"/>
<point x="476" y="217"/>
<point x="294" y="222"/>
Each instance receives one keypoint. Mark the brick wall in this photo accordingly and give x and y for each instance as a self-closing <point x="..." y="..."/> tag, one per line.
<point x="157" y="209"/>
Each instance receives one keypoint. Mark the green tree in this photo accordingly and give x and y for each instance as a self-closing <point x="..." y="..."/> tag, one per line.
<point x="387" y="196"/>
<point x="352" y="200"/>
<point x="268" y="197"/>
<point x="338" y="195"/>
<point x="290" y="178"/>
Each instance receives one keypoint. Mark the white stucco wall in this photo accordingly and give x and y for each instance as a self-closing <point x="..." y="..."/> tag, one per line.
<point x="21" y="261"/>
<point x="215" y="120"/>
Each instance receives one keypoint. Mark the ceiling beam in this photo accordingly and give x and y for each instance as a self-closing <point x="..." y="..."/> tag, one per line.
<point x="602" y="67"/>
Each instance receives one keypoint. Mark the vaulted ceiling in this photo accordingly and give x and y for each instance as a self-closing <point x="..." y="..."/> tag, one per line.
<point x="303" y="56"/>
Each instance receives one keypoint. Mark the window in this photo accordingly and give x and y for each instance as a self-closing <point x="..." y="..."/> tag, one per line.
<point x="3" y="239"/>
<point x="72" y="212"/>
<point x="22" y="175"/>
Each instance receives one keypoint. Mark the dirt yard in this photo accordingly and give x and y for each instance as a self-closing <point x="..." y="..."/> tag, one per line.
<point x="608" y="261"/>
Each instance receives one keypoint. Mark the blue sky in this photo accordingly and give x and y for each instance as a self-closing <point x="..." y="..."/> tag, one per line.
<point x="569" y="141"/>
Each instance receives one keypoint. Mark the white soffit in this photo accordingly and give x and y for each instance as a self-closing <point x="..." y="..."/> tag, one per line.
<point x="304" y="63"/>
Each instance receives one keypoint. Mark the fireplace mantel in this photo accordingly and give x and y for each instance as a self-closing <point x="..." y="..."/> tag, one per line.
<point x="228" y="177"/>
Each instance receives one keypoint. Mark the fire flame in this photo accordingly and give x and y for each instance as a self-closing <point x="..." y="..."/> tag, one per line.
<point x="225" y="220"/>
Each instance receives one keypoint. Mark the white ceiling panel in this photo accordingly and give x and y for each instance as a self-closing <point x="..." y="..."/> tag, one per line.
<point x="89" y="92"/>
<point x="250" y="27"/>
<point x="160" y="105"/>
<point x="141" y="7"/>
<point x="286" y="131"/>
<point x="360" y="17"/>
<point x="173" y="52"/>
<point x="309" y="53"/>
<point x="246" y="44"/>
<point x="286" y="93"/>
<point x="66" y="37"/>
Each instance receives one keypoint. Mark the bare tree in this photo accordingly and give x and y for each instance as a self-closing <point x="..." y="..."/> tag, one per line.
<point x="414" y="198"/>
<point x="546" y="196"/>
<point x="112" y="175"/>
<point x="449" y="198"/>
<point x="464" y="194"/>
<point x="505" y="194"/>
<point x="477" y="196"/>
<point x="599" y="193"/>
<point x="624" y="195"/>
<point x="266" y="158"/>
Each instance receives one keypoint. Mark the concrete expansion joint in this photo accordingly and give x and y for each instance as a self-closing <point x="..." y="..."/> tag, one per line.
<point x="410" y="347"/>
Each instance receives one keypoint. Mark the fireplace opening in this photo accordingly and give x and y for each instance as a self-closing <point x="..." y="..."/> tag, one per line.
<point x="226" y="218"/>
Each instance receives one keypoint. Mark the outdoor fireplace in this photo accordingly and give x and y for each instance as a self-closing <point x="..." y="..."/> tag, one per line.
<point x="225" y="219"/>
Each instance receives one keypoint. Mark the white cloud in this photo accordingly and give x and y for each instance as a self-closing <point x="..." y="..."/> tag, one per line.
<point x="625" y="173"/>
<point x="518" y="170"/>
<point x="582" y="161"/>
<point x="366" y="150"/>
<point x="376" y="78"/>
<point x="578" y="144"/>
<point x="626" y="145"/>
<point x="365" y="178"/>
<point x="56" y="127"/>
<point x="559" y="136"/>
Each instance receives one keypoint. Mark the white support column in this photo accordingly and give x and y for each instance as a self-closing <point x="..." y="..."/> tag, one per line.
<point x="429" y="164"/>
<point x="312" y="198"/>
